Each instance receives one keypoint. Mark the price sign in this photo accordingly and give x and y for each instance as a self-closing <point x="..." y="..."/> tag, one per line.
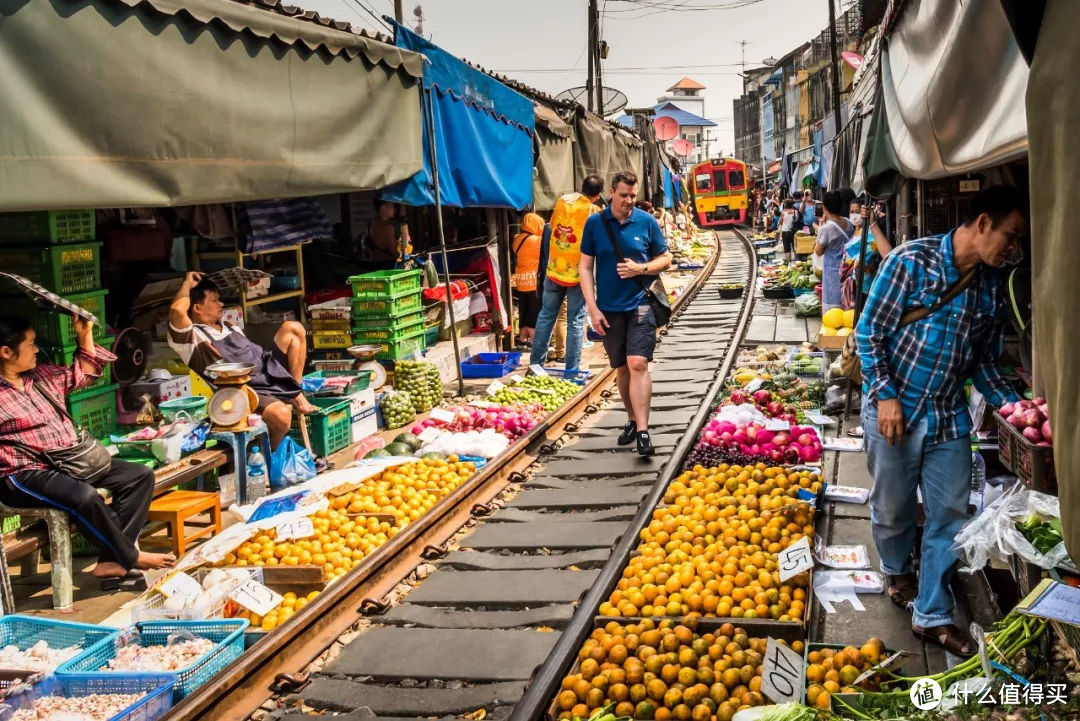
<point x="182" y="585"/>
<point x="775" y="424"/>
<point x="544" y="391"/>
<point x="516" y="378"/>
<point x="442" y="415"/>
<point x="495" y="387"/>
<point x="256" y="597"/>
<point x="753" y="385"/>
<point x="795" y="559"/>
<point x="482" y="404"/>
<point x="538" y="369"/>
<point x="418" y="355"/>
<point x="296" y="528"/>
<point x="781" y="678"/>
<point x="428" y="434"/>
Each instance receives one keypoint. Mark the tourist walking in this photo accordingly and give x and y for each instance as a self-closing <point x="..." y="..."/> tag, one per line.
<point x="616" y="299"/>
<point x="833" y="236"/>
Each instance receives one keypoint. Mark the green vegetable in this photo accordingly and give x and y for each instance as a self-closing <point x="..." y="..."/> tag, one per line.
<point x="1043" y="535"/>
<point x="409" y="439"/>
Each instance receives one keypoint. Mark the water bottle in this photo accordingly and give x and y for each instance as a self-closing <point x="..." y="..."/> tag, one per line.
<point x="977" y="481"/>
<point x="256" y="475"/>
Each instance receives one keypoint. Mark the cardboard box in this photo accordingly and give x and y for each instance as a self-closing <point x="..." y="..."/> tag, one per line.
<point x="831" y="342"/>
<point x="364" y="424"/>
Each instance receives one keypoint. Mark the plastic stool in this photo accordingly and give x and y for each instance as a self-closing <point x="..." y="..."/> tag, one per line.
<point x="239" y="441"/>
<point x="174" y="509"/>
<point x="59" y="529"/>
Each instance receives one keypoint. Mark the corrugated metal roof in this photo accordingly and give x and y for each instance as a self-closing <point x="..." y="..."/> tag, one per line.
<point x="292" y="26"/>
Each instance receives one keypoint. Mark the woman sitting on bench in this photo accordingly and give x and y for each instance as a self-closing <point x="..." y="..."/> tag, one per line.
<point x="35" y="424"/>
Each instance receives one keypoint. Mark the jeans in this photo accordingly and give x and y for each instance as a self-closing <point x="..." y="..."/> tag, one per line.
<point x="545" y="323"/>
<point x="942" y="472"/>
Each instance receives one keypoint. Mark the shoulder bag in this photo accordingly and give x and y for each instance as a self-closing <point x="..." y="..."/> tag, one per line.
<point x="850" y="366"/>
<point x="87" y="460"/>
<point x="655" y="292"/>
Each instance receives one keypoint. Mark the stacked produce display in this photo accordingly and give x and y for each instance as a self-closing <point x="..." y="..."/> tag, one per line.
<point x="387" y="310"/>
<point x="421" y="380"/>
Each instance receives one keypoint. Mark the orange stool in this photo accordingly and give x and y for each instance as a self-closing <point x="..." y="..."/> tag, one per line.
<point x="173" y="509"/>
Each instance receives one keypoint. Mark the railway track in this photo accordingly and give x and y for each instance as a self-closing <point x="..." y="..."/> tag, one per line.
<point x="514" y="564"/>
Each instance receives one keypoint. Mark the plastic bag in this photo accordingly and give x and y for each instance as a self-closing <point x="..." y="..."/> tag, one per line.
<point x="196" y="437"/>
<point x="397" y="409"/>
<point x="993" y="532"/>
<point x="291" y="463"/>
<point x="807" y="305"/>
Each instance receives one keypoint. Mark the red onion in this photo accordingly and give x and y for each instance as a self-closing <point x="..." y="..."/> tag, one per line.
<point x="1045" y="430"/>
<point x="1032" y="434"/>
<point x="1007" y="410"/>
<point x="1032" y="418"/>
<point x="1040" y="401"/>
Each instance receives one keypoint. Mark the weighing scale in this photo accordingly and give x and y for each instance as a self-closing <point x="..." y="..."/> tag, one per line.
<point x="365" y="361"/>
<point x="234" y="399"/>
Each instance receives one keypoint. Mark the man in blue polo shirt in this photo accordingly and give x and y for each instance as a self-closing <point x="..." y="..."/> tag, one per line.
<point x="618" y="307"/>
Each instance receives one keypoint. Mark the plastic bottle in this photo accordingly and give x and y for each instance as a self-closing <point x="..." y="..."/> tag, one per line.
<point x="978" y="480"/>
<point x="256" y="475"/>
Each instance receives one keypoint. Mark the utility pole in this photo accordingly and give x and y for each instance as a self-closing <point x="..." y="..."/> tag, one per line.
<point x="399" y="11"/>
<point x="594" y="59"/>
<point x="835" y="67"/>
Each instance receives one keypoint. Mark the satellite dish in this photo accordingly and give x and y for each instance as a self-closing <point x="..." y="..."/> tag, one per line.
<point x="683" y="147"/>
<point x="851" y="58"/>
<point x="614" y="100"/>
<point x="666" y="128"/>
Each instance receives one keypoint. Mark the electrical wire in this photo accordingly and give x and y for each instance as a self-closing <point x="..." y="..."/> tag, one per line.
<point x="373" y="14"/>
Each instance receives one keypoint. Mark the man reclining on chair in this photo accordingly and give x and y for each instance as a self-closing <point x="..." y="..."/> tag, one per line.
<point x="201" y="338"/>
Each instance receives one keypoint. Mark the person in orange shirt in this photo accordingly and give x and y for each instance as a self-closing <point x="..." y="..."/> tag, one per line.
<point x="526" y="247"/>
<point x="562" y="280"/>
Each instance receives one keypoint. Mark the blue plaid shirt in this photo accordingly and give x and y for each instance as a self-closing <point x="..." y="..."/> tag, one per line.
<point x="925" y="364"/>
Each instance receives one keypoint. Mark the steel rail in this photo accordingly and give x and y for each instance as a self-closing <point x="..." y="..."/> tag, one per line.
<point x="276" y="663"/>
<point x="546" y="680"/>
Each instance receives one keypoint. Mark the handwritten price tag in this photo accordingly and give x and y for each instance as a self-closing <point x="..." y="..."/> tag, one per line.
<point x="428" y="434"/>
<point x="256" y="598"/>
<point x="775" y="424"/>
<point x="482" y="404"/>
<point x="296" y="528"/>
<point x="495" y="387"/>
<point x="795" y="559"/>
<point x="516" y="378"/>
<point x="538" y="369"/>
<point x="181" y="584"/>
<point x="753" y="385"/>
<point x="441" y="415"/>
<point x="781" y="678"/>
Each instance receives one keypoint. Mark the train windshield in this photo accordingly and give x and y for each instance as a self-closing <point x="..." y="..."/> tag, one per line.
<point x="736" y="179"/>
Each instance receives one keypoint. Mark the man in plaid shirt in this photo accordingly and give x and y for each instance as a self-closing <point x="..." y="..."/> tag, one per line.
<point x="914" y="416"/>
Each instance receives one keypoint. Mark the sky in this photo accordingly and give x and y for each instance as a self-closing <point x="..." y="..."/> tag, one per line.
<point x="653" y="43"/>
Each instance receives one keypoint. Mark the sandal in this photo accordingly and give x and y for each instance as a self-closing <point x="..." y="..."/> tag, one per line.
<point x="949" y="637"/>
<point x="902" y="590"/>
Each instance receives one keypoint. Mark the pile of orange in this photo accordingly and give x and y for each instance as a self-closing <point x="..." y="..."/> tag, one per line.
<point x="830" y="671"/>
<point x="290" y="604"/>
<point x="407" y="491"/>
<point x="665" y="672"/>
<point x="712" y="550"/>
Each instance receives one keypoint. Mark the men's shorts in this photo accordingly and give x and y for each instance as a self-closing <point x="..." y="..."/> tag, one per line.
<point x="788" y="238"/>
<point x="631" y="332"/>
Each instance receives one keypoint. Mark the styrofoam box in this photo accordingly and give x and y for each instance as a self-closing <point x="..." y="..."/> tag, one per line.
<point x="161" y="391"/>
<point x="364" y="424"/>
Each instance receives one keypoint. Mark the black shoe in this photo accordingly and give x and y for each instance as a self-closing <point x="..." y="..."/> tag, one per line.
<point x="629" y="433"/>
<point x="644" y="444"/>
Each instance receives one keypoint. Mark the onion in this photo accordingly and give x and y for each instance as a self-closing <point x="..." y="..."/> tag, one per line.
<point x="1016" y="420"/>
<point x="1025" y="404"/>
<point x="1032" y="418"/>
<point x="1045" y="430"/>
<point x="1032" y="434"/>
<point x="1040" y="401"/>
<point x="1007" y="410"/>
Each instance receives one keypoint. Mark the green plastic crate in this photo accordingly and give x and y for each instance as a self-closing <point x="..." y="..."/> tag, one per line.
<point x="386" y="321"/>
<point x="55" y="329"/>
<point x="66" y="357"/>
<point x="384" y="308"/>
<point x="62" y="269"/>
<point x="95" y="410"/>
<point x="384" y="284"/>
<point x="48" y="226"/>
<point x="390" y="333"/>
<point x="403" y="348"/>
<point x="330" y="428"/>
<point x="11" y="523"/>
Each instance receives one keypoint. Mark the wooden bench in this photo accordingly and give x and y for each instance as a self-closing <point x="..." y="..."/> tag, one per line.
<point x="26" y="543"/>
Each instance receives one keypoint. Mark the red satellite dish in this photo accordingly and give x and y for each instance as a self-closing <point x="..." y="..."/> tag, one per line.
<point x="666" y="128"/>
<point x="851" y="58"/>
<point x="683" y="147"/>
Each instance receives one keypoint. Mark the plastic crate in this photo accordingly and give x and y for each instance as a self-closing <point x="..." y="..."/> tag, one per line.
<point x="778" y="292"/>
<point x="62" y="269"/>
<point x="385" y="284"/>
<point x="396" y="350"/>
<point x="48" y="227"/>
<point x="24" y="631"/>
<point x="331" y="339"/>
<point x="731" y="293"/>
<point x="431" y="334"/>
<point x="344" y="314"/>
<point x="66" y="357"/>
<point x="361" y="380"/>
<point x="335" y="325"/>
<point x="95" y="410"/>
<point x="227" y="635"/>
<point x="10" y="523"/>
<point x="490" y="365"/>
<point x="366" y="322"/>
<point x="57" y="329"/>
<point x="386" y="307"/>
<point x="579" y="376"/>
<point x="1033" y="464"/>
<point x="329" y="428"/>
<point x="389" y="333"/>
<point x="158" y="687"/>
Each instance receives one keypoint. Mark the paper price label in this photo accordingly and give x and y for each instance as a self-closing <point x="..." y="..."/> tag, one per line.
<point x="256" y="597"/>
<point x="181" y="584"/>
<point x="543" y="391"/>
<point x="495" y="387"/>
<point x="482" y="404"/>
<point x="781" y="677"/>
<point x="775" y="424"/>
<point x="417" y="355"/>
<point x="538" y="369"/>
<point x="795" y="559"/>
<point x="296" y="528"/>
<point x="428" y="434"/>
<point x="753" y="385"/>
<point x="442" y="415"/>
<point x="516" y="378"/>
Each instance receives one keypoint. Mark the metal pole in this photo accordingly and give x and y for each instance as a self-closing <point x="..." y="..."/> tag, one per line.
<point x="591" y="42"/>
<point x="858" y="299"/>
<point x="599" y="62"/>
<point x="433" y="151"/>
<point x="399" y="11"/>
<point x="835" y="67"/>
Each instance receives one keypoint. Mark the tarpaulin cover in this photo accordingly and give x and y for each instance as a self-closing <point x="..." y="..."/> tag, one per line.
<point x="1055" y="174"/>
<point x="954" y="83"/>
<point x="603" y="149"/>
<point x="669" y="189"/>
<point x="176" y="102"/>
<point x="555" y="160"/>
<point x="484" y="136"/>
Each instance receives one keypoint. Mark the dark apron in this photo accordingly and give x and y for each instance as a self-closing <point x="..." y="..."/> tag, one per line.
<point x="270" y="376"/>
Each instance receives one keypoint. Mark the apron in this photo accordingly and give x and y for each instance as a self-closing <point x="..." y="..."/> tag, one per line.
<point x="269" y="377"/>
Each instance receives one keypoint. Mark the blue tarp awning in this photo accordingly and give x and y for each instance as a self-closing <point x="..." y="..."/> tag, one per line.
<point x="669" y="188"/>
<point x="483" y="132"/>
<point x="670" y="110"/>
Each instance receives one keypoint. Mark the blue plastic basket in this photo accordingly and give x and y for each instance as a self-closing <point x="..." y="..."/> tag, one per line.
<point x="490" y="365"/>
<point x="156" y="703"/>
<point x="802" y="291"/>
<point x="577" y="376"/>
<point x="25" y="631"/>
<point x="228" y="634"/>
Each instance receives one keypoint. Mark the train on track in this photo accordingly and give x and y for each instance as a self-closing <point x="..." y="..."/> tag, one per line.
<point x="719" y="192"/>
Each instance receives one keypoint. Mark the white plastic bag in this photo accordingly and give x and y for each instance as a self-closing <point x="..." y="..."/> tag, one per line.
<point x="993" y="532"/>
